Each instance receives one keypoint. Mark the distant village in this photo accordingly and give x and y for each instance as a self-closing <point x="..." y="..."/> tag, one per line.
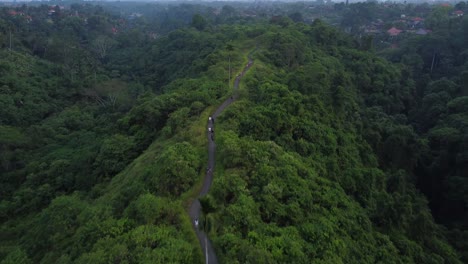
<point x="407" y="24"/>
<point x="388" y="28"/>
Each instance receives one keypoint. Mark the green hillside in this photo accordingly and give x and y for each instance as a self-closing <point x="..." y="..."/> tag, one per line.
<point x="300" y="182"/>
<point x="317" y="161"/>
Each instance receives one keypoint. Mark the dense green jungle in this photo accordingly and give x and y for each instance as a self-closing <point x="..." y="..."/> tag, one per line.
<point x="338" y="149"/>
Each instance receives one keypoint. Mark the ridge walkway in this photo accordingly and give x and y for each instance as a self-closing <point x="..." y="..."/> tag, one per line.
<point x="195" y="207"/>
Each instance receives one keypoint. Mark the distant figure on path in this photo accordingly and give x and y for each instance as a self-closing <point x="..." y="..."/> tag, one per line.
<point x="211" y="131"/>
<point x="196" y="223"/>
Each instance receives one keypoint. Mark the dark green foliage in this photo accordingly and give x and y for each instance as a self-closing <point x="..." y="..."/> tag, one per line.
<point x="175" y="170"/>
<point x="301" y="175"/>
<point x="16" y="256"/>
<point x="115" y="152"/>
<point x="437" y="62"/>
<point x="198" y="22"/>
<point x="319" y="160"/>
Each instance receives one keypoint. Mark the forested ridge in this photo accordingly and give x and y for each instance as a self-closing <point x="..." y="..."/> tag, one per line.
<point x="331" y="154"/>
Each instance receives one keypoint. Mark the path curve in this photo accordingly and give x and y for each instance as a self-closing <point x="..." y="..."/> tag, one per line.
<point x="195" y="207"/>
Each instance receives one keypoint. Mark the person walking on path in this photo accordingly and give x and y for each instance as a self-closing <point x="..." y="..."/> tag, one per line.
<point x="211" y="131"/>
<point x="195" y="208"/>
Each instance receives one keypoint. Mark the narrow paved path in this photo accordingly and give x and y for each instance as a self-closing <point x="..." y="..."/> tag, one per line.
<point x="195" y="208"/>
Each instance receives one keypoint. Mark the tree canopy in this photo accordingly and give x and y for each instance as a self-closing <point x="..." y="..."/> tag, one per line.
<point x="337" y="150"/>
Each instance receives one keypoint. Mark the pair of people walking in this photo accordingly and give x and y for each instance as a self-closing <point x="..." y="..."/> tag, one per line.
<point x="210" y="129"/>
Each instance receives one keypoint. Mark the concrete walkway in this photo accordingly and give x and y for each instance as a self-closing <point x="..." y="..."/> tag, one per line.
<point x="195" y="208"/>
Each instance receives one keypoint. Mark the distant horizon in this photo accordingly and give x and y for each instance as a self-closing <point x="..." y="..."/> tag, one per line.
<point x="214" y="1"/>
